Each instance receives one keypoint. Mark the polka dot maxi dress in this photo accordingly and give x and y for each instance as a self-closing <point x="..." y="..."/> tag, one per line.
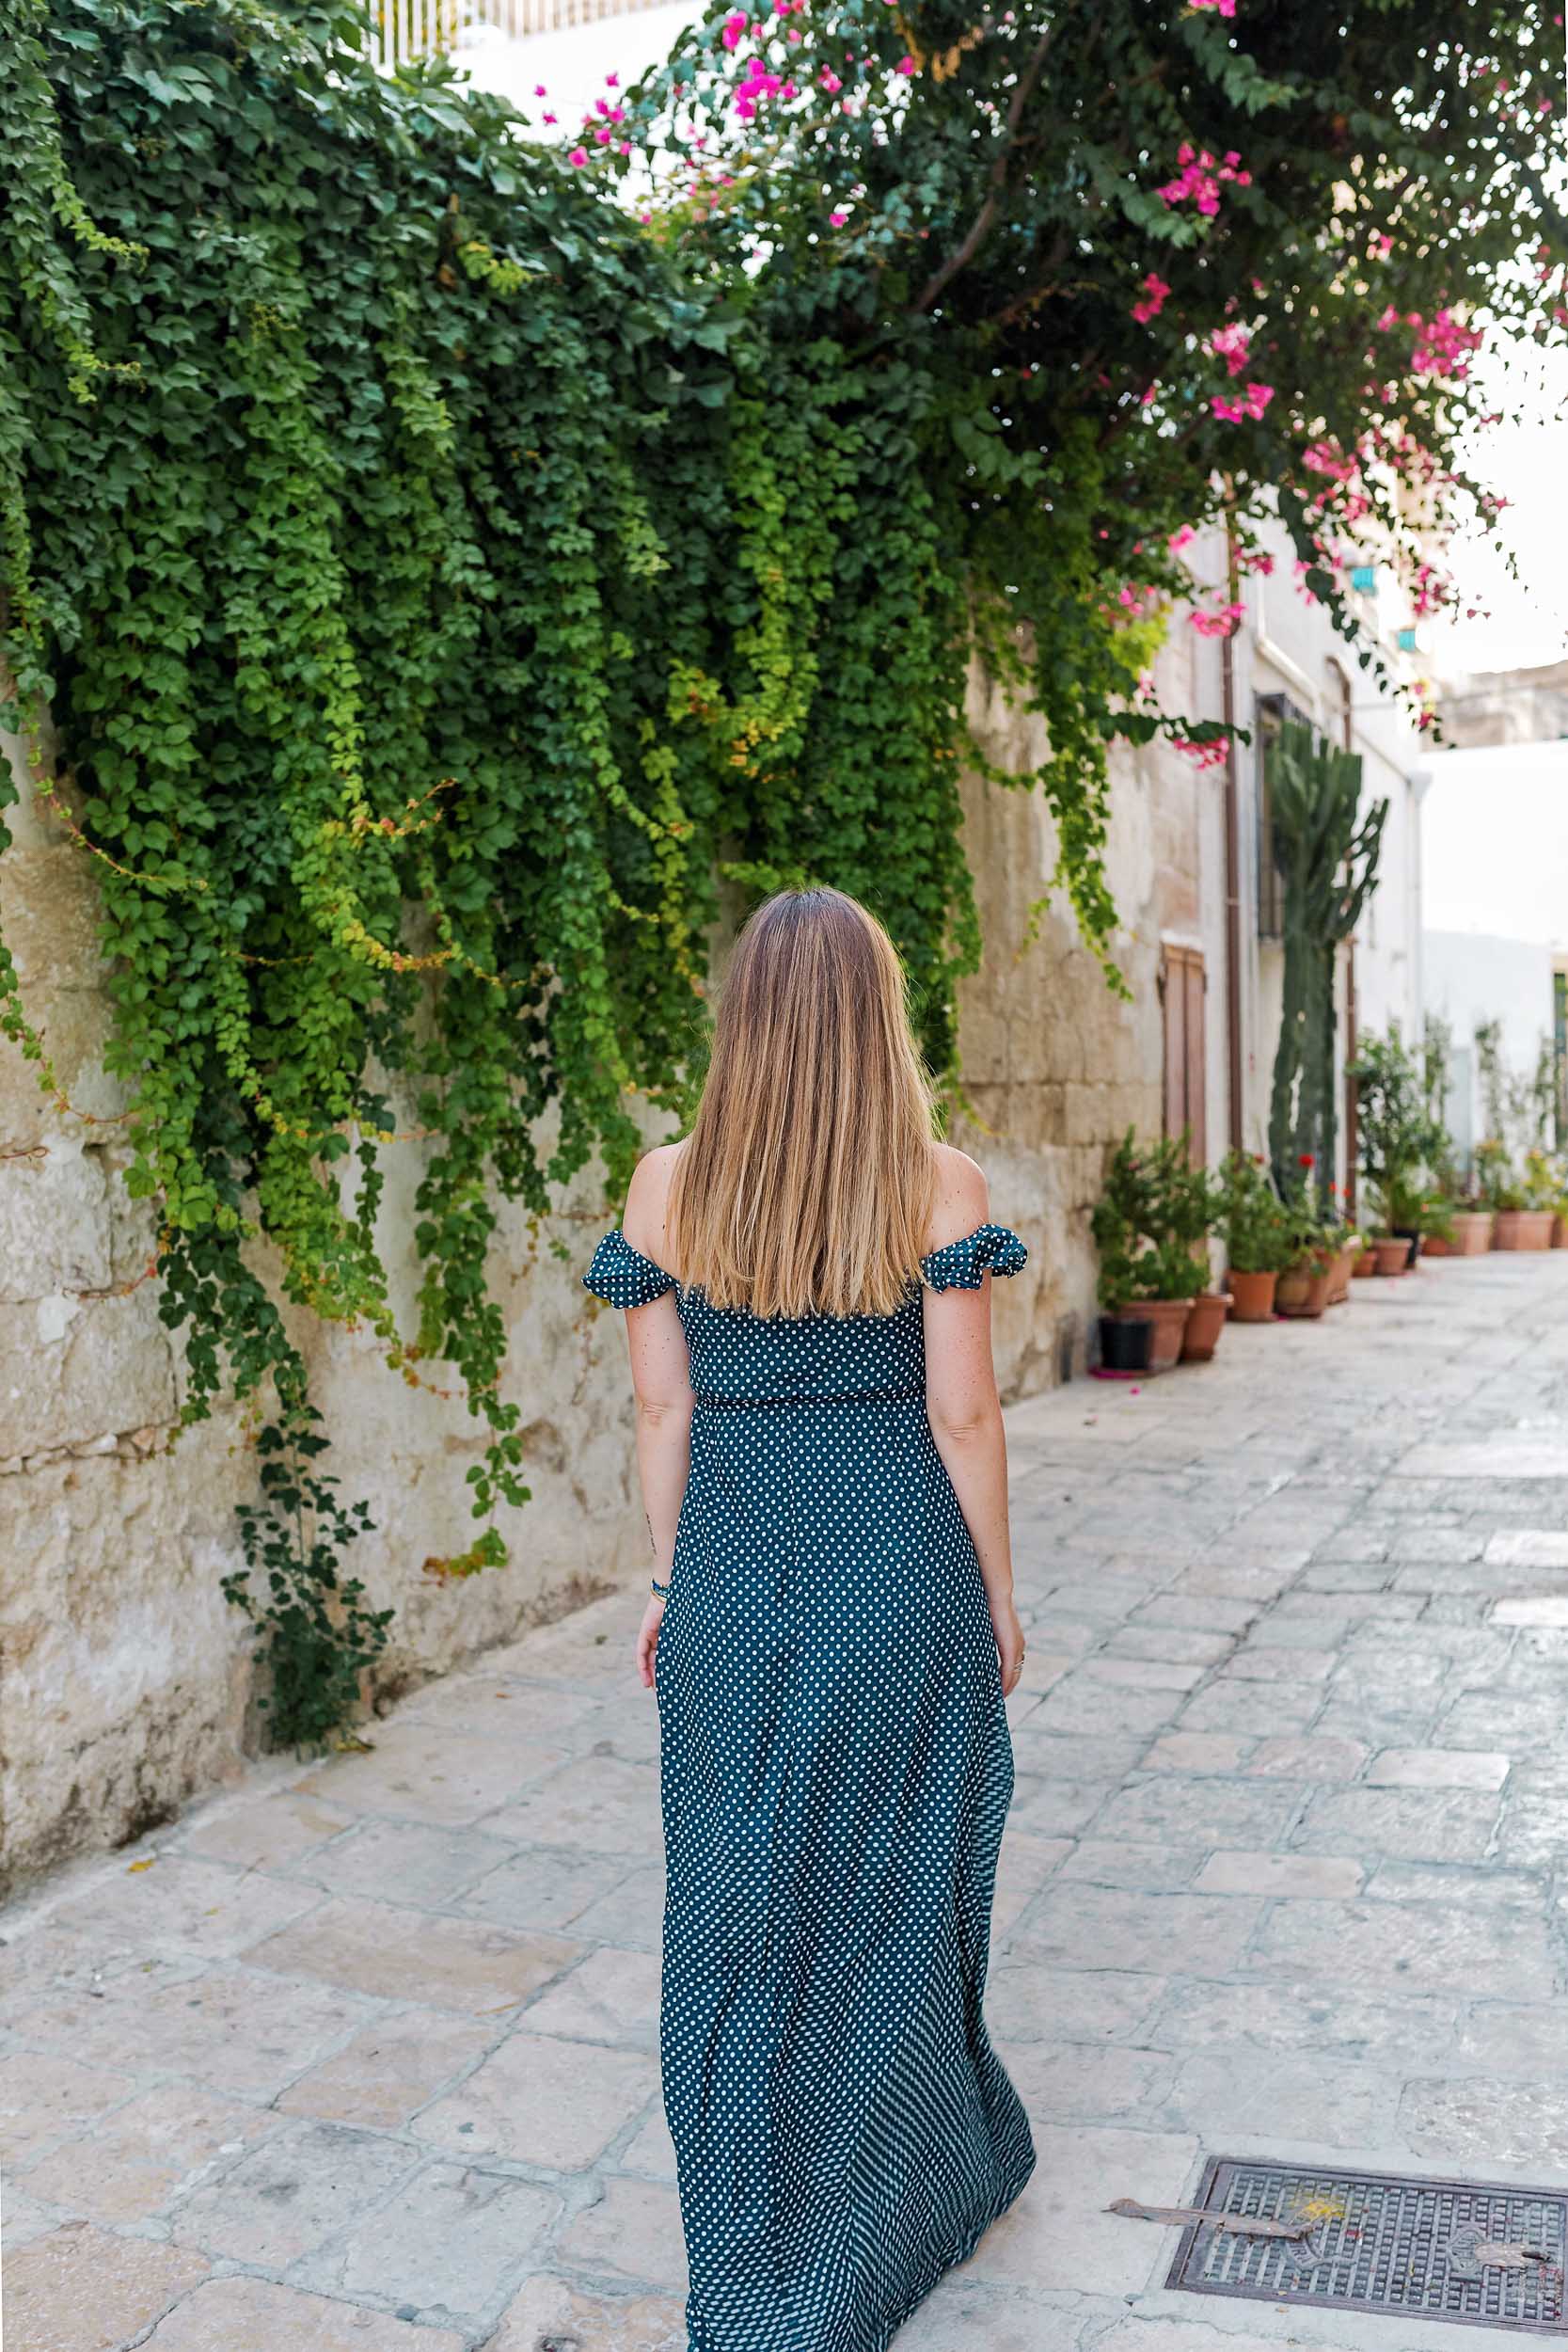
<point x="836" y="1772"/>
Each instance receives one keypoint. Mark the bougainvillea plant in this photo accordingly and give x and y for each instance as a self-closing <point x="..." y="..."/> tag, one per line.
<point x="459" y="569"/>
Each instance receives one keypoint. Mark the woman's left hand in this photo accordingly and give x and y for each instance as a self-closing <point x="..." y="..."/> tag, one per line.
<point x="1009" y="1644"/>
<point x="647" y="1640"/>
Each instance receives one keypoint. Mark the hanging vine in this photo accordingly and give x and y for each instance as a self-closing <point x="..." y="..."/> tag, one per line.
<point x="449" y="588"/>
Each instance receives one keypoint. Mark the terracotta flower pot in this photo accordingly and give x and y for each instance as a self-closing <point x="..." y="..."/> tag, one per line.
<point x="1169" y="1318"/>
<point x="1251" y="1297"/>
<point x="1204" y="1326"/>
<point x="1366" y="1261"/>
<point x="1472" y="1233"/>
<point x="1522" y="1228"/>
<point x="1340" y="1274"/>
<point x="1303" y="1289"/>
<point x="1433" y="1245"/>
<point x="1560" y="1232"/>
<point x="1393" y="1257"/>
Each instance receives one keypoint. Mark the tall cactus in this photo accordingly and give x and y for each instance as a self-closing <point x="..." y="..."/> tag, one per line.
<point x="1328" y="865"/>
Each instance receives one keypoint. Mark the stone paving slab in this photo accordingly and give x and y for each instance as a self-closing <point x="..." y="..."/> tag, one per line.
<point x="361" y="2056"/>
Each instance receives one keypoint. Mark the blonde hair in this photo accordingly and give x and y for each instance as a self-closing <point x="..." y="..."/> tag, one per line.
<point x="807" y="1183"/>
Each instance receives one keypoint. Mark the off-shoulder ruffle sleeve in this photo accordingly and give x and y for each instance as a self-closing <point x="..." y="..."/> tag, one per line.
<point x="964" y="1265"/>
<point x="623" y="1277"/>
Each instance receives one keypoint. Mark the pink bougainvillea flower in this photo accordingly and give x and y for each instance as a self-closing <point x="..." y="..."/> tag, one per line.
<point x="612" y="81"/>
<point x="1250" y="402"/>
<point x="1223" y="622"/>
<point x="1201" y="754"/>
<point x="830" y="81"/>
<point x="1183" y="538"/>
<point x="905" y="65"/>
<point x="734" y="30"/>
<point x="1231" y="344"/>
<point x="838" y="219"/>
<point x="1154" y="290"/>
<point x="577" y="157"/>
<point x="549" y="118"/>
<point x="1222" y="8"/>
<point x="539" y="90"/>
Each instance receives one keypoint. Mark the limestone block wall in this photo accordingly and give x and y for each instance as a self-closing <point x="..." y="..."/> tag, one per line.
<point x="126" y="1683"/>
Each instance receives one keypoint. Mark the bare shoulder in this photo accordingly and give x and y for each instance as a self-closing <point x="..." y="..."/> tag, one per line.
<point x="648" y="1200"/>
<point x="962" y="1196"/>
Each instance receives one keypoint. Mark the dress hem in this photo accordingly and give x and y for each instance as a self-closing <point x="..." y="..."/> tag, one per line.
<point x="965" y="2248"/>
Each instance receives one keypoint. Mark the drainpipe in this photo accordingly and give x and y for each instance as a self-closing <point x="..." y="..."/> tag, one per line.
<point x="1232" y="854"/>
<point x="1352" y="1129"/>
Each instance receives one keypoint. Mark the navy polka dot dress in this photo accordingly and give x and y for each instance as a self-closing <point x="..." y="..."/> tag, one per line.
<point x="835" y="1773"/>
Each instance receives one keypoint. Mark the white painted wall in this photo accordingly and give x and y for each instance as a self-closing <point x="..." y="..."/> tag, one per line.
<point x="1288" y="645"/>
<point x="1473" y="977"/>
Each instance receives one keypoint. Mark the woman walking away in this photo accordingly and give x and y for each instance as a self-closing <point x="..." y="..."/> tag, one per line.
<point x="831" y="1635"/>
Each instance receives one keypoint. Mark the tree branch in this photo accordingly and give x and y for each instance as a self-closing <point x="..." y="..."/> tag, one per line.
<point x="986" y="218"/>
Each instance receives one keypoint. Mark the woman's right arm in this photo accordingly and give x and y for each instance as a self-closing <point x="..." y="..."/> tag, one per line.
<point x="965" y="1410"/>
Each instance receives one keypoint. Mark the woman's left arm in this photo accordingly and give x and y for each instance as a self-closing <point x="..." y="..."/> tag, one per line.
<point x="661" y="1381"/>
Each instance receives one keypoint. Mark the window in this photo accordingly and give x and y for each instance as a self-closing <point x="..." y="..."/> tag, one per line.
<point x="1272" y="711"/>
<point x="1182" y="988"/>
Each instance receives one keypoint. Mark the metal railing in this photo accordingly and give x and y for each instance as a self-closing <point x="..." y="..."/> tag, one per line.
<point x="405" y="29"/>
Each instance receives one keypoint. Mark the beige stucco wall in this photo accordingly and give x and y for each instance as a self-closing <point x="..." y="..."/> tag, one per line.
<point x="126" y="1684"/>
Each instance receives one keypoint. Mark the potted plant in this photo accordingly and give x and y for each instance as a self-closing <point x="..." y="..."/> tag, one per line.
<point x="1532" y="1223"/>
<point x="1167" y="1279"/>
<point x="1126" y="1332"/>
<point x="1441" y="1238"/>
<point x="1514" y="1225"/>
<point x="1391" y="1251"/>
<point x="1400" y="1140"/>
<point x="1205" y="1322"/>
<point x="1311" y="1242"/>
<point x="1149" y="1224"/>
<point x="1345" y="1244"/>
<point x="1251" y="1221"/>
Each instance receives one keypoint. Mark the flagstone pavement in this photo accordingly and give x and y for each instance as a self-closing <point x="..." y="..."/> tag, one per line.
<point x="360" y="2057"/>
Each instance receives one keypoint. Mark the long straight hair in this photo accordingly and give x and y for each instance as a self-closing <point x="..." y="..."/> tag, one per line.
<point x="807" y="1182"/>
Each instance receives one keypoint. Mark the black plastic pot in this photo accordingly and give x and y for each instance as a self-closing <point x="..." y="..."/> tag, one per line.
<point x="1125" y="1342"/>
<point x="1408" y="1233"/>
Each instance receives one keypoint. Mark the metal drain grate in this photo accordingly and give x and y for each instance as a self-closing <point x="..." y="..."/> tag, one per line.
<point x="1381" y="2242"/>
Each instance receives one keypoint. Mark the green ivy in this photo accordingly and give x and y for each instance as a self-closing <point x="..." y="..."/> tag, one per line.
<point x="454" y="594"/>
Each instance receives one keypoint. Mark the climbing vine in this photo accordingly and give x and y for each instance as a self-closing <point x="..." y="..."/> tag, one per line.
<point x="453" y="584"/>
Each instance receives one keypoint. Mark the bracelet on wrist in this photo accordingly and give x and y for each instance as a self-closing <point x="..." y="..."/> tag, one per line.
<point x="662" y="1590"/>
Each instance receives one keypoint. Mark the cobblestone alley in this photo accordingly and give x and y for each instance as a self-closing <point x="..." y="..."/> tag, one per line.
<point x="359" y="2057"/>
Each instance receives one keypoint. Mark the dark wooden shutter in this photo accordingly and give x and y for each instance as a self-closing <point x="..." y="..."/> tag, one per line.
<point x="1184" y="984"/>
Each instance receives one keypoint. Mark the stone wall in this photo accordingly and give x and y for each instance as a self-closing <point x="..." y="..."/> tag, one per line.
<point x="126" y="1683"/>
